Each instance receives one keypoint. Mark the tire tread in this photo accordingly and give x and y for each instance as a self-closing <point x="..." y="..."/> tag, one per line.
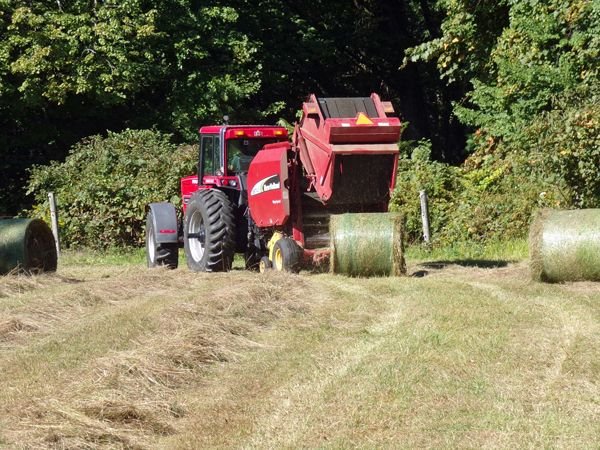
<point x="219" y="221"/>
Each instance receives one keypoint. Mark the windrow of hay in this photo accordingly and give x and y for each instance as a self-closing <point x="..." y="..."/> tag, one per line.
<point x="19" y="283"/>
<point x="26" y="245"/>
<point x="367" y="244"/>
<point x="46" y="302"/>
<point x="13" y="326"/>
<point x="204" y="330"/>
<point x="565" y="245"/>
<point x="128" y="398"/>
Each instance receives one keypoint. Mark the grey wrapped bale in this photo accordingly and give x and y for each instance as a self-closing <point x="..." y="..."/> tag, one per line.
<point x="367" y="244"/>
<point x="565" y="245"/>
<point x="26" y="245"/>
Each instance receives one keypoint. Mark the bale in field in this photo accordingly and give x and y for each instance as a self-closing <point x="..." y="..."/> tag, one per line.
<point x="367" y="244"/>
<point x="565" y="245"/>
<point x="27" y="245"/>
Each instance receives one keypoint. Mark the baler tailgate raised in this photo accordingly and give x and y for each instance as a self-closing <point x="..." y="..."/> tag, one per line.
<point x="334" y="127"/>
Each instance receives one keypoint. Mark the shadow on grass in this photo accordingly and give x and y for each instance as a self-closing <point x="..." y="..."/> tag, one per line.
<point x="480" y="263"/>
<point x="475" y="263"/>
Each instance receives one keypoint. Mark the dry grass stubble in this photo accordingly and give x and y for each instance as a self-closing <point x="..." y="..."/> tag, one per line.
<point x="124" y="398"/>
<point x="463" y="357"/>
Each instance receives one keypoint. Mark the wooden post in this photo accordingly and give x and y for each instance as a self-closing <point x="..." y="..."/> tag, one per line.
<point x="425" y="216"/>
<point x="54" y="220"/>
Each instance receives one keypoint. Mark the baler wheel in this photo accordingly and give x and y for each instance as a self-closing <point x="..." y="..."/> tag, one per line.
<point x="209" y="232"/>
<point x="286" y="255"/>
<point x="159" y="254"/>
<point x="264" y="264"/>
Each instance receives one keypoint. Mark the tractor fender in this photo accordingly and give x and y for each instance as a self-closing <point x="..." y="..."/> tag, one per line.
<point x="164" y="220"/>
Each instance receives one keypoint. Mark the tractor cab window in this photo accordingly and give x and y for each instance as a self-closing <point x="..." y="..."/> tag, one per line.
<point x="241" y="151"/>
<point x="211" y="156"/>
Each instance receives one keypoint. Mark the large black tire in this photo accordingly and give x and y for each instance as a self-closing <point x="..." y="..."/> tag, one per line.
<point x="209" y="232"/>
<point x="159" y="254"/>
<point x="287" y="255"/>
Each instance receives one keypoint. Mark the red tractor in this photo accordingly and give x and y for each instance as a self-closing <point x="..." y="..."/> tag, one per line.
<point x="260" y="193"/>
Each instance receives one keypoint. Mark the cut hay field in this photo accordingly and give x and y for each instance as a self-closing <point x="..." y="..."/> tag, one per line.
<point x="112" y="355"/>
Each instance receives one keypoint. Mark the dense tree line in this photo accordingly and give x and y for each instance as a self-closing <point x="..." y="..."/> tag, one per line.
<point x="534" y="100"/>
<point x="69" y="69"/>
<point x="508" y="89"/>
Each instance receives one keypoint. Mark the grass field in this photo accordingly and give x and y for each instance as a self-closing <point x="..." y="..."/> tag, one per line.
<point x="466" y="353"/>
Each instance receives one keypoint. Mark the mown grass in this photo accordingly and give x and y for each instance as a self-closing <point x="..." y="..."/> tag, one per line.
<point x="118" y="356"/>
<point x="463" y="358"/>
<point x="95" y="357"/>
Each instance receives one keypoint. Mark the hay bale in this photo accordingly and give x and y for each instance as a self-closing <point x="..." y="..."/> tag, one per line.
<point x="26" y="245"/>
<point x="367" y="244"/>
<point x="565" y="245"/>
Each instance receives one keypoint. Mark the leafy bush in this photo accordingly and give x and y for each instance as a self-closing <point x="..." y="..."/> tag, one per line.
<point x="489" y="198"/>
<point x="541" y="103"/>
<point x="440" y="181"/>
<point x="534" y="108"/>
<point x="567" y="142"/>
<point x="105" y="183"/>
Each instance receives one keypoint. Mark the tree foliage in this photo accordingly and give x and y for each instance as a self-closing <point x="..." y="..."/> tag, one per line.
<point x="108" y="53"/>
<point x="468" y="35"/>
<point x="69" y="69"/>
<point x="532" y="106"/>
<point x="543" y="98"/>
<point x="78" y="68"/>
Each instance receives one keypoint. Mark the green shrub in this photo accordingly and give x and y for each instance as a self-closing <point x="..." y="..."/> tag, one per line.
<point x="534" y="108"/>
<point x="104" y="185"/>
<point x="489" y="198"/>
<point x="567" y="143"/>
<point x="440" y="181"/>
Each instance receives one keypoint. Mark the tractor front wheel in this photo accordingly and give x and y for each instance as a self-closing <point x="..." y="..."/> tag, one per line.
<point x="209" y="232"/>
<point x="287" y="255"/>
<point x="159" y="254"/>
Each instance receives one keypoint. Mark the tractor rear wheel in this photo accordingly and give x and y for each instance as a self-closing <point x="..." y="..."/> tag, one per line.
<point x="159" y="254"/>
<point x="286" y="255"/>
<point x="209" y="232"/>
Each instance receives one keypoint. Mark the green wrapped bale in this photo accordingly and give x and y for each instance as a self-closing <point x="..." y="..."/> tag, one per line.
<point x="26" y="245"/>
<point x="367" y="244"/>
<point x="565" y="245"/>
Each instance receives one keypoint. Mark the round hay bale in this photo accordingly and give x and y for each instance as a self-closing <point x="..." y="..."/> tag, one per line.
<point x="565" y="245"/>
<point x="367" y="244"/>
<point x="26" y="245"/>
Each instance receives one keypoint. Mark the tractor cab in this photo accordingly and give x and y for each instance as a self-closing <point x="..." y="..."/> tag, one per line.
<point x="225" y="155"/>
<point x="240" y="152"/>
